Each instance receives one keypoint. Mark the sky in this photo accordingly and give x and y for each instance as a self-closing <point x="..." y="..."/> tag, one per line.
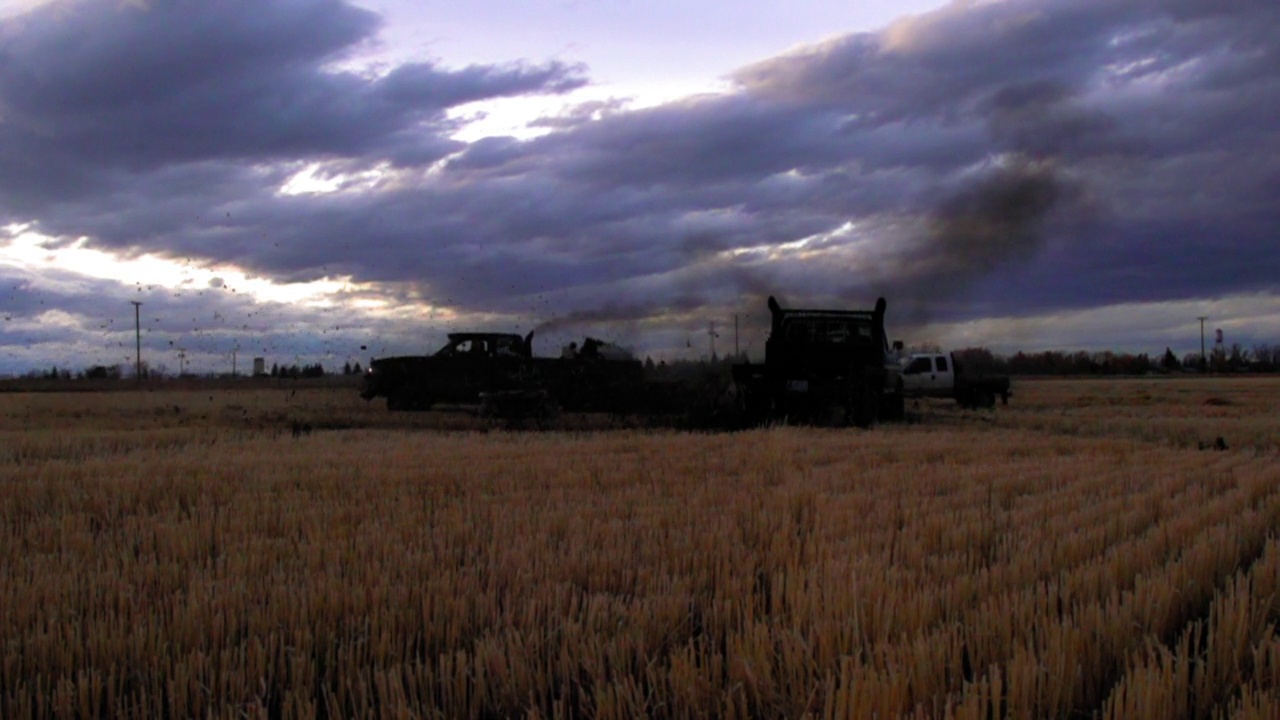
<point x="331" y="180"/>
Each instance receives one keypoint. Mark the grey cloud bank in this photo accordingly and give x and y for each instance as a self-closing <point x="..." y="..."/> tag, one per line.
<point x="1006" y="159"/>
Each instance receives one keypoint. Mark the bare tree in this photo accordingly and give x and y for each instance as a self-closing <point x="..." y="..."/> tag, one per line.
<point x="1237" y="357"/>
<point x="1265" y="357"/>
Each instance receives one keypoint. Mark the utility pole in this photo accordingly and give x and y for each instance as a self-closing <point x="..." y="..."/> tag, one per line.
<point x="711" y="334"/>
<point x="735" y="337"/>
<point x="137" y="336"/>
<point x="1204" y="361"/>
<point x="234" y="350"/>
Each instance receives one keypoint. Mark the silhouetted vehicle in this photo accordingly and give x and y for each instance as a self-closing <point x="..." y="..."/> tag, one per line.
<point x="499" y="372"/>
<point x="942" y="375"/>
<point x="825" y="366"/>
<point x="469" y="364"/>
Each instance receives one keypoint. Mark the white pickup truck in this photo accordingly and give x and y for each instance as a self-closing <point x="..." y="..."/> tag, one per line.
<point x="940" y="375"/>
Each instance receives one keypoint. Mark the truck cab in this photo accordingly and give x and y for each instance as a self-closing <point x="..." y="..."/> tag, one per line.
<point x="941" y="375"/>
<point x="470" y="363"/>
<point x="931" y="375"/>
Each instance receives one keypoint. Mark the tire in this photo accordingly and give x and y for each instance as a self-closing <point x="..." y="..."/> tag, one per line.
<point x="895" y="407"/>
<point x="401" y="401"/>
<point x="866" y="409"/>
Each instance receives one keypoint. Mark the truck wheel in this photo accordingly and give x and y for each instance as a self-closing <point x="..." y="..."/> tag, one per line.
<point x="401" y="401"/>
<point x="865" y="411"/>
<point x="548" y="411"/>
<point x="895" y="408"/>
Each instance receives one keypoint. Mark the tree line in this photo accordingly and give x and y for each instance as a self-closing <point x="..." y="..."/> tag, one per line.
<point x="117" y="372"/>
<point x="1235" y="358"/>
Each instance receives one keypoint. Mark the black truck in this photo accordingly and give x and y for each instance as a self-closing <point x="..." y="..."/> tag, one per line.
<point x="498" y="371"/>
<point x="823" y="366"/>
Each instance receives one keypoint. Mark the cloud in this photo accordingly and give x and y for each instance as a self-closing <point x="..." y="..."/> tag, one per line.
<point x="95" y="95"/>
<point x="986" y="159"/>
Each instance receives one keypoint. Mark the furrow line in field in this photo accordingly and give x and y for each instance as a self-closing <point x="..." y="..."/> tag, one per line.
<point x="1217" y="660"/>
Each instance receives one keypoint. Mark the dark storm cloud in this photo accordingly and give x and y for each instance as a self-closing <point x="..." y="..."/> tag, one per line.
<point x="1009" y="158"/>
<point x="91" y="88"/>
<point x="1129" y="110"/>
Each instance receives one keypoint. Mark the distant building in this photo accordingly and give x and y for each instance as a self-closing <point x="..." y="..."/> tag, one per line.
<point x="259" y="366"/>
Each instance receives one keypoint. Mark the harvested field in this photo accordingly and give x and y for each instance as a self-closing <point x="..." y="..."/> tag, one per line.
<point x="280" y="553"/>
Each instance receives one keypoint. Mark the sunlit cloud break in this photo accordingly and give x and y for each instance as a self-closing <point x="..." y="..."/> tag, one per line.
<point x="26" y="249"/>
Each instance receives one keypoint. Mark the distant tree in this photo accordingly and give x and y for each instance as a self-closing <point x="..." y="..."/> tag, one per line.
<point x="1139" y="364"/>
<point x="356" y="369"/>
<point x="275" y="370"/>
<point x="1218" y="359"/>
<point x="102" y="372"/>
<point x="1026" y="364"/>
<point x="980" y="360"/>
<point x="1237" y="358"/>
<point x="1193" y="360"/>
<point x="346" y="368"/>
<point x="1170" y="361"/>
<point x="1265" y="357"/>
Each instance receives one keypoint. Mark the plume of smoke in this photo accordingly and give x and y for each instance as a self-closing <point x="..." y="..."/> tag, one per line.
<point x="996" y="218"/>
<point x="606" y="315"/>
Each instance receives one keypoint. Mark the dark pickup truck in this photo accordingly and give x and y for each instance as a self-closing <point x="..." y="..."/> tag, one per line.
<point x="501" y="367"/>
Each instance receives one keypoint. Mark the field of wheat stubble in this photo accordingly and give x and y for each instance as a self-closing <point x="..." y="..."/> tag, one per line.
<point x="1087" y="551"/>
